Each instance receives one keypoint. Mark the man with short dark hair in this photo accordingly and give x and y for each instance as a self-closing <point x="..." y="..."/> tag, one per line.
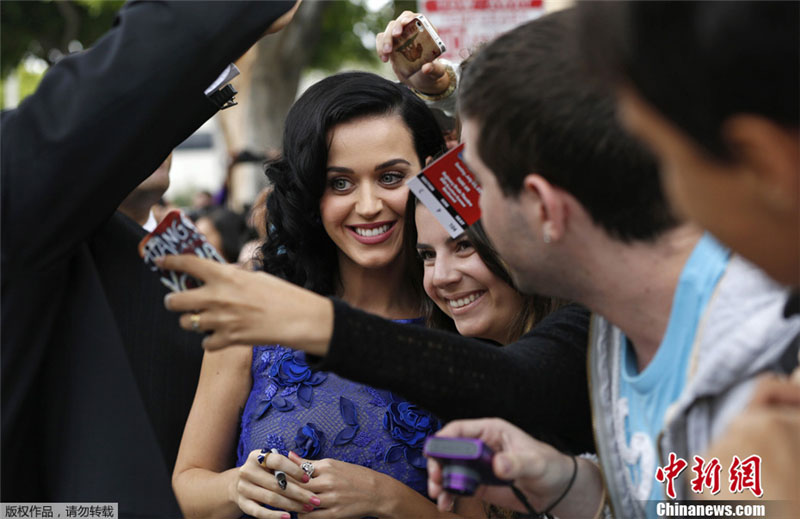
<point x="713" y="88"/>
<point x="679" y="325"/>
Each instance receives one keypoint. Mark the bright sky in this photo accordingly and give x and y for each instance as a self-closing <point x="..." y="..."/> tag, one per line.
<point x="375" y="5"/>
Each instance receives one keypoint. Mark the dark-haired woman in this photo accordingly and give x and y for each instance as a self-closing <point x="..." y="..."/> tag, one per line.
<point x="469" y="288"/>
<point x="336" y="227"/>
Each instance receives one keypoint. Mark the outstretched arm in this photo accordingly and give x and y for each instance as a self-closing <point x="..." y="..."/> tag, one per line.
<point x="450" y="375"/>
<point x="538" y="382"/>
<point x="235" y="306"/>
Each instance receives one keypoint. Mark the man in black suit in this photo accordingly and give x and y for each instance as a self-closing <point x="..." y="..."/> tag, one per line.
<point x="97" y="380"/>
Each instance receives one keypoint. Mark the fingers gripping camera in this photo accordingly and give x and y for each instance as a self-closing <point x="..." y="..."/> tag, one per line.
<point x="466" y="464"/>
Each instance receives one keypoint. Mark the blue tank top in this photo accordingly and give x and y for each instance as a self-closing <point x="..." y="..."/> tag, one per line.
<point x="322" y="415"/>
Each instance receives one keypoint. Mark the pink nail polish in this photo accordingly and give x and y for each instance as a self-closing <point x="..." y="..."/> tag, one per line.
<point x="286" y="516"/>
<point x="308" y="508"/>
<point x="306" y="478"/>
<point x="315" y="501"/>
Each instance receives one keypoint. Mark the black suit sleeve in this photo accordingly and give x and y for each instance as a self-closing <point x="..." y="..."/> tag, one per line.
<point x="102" y="121"/>
<point x="538" y="383"/>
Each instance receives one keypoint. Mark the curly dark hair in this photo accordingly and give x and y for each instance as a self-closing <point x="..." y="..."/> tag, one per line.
<point x="297" y="247"/>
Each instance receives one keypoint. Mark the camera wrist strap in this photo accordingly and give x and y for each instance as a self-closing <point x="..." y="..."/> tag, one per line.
<point x="546" y="513"/>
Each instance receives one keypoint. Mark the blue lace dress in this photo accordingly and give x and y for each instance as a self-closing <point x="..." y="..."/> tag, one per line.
<point x="321" y="415"/>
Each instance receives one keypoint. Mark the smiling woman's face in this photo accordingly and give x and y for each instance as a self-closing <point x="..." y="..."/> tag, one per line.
<point x="462" y="286"/>
<point x="362" y="207"/>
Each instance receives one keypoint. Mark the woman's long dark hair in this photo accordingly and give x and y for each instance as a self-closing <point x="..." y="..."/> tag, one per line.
<point x="297" y="247"/>
<point x="534" y="307"/>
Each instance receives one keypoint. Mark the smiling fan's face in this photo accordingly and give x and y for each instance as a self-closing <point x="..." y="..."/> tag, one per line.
<point x="462" y="286"/>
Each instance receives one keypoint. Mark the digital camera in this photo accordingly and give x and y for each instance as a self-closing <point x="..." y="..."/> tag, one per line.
<point x="466" y="463"/>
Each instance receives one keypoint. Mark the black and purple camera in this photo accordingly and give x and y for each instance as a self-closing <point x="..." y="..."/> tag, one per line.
<point x="466" y="463"/>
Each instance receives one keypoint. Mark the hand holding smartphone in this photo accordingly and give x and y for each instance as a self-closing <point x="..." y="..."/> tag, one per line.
<point x="416" y="45"/>
<point x="176" y="234"/>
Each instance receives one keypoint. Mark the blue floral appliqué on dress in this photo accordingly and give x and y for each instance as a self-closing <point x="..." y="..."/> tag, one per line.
<point x="321" y="415"/>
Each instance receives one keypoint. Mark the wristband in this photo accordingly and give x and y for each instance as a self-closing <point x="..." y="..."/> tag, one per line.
<point x="447" y="93"/>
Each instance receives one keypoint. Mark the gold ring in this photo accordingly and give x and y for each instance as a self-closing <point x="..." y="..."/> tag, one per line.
<point x="262" y="457"/>
<point x="195" y="320"/>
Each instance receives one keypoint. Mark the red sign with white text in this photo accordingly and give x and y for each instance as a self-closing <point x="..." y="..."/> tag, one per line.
<point x="465" y="24"/>
<point x="449" y="190"/>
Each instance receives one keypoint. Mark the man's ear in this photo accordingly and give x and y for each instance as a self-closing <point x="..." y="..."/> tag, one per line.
<point x="768" y="151"/>
<point x="546" y="200"/>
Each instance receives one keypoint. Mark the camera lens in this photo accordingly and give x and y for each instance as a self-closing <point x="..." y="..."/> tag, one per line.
<point x="460" y="479"/>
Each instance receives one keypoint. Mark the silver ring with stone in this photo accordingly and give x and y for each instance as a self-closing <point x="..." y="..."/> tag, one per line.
<point x="308" y="468"/>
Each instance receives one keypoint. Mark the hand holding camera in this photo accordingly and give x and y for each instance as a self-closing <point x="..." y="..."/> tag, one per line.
<point x="466" y="464"/>
<point x="486" y="457"/>
<point x="411" y="45"/>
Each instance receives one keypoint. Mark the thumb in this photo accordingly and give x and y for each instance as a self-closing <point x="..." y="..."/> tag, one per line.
<point x="510" y="466"/>
<point x="445" y="502"/>
<point x="434" y="69"/>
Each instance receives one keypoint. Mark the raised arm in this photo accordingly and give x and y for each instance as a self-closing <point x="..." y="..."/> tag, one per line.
<point x="432" y="79"/>
<point x="102" y="120"/>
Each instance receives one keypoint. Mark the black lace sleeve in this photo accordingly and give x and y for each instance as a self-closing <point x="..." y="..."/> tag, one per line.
<point x="538" y="383"/>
